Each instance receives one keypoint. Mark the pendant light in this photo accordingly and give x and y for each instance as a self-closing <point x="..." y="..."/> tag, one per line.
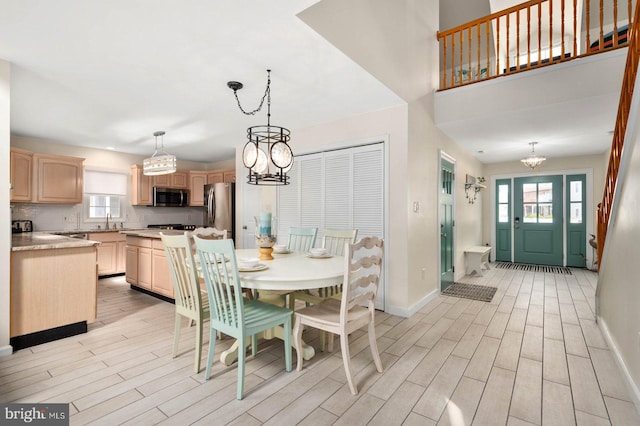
<point x="533" y="160"/>
<point x="160" y="163"/>
<point x="267" y="154"/>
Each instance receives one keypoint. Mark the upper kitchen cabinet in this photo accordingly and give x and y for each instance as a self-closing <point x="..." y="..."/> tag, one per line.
<point x="57" y="179"/>
<point x="21" y="175"/>
<point x="197" y="181"/>
<point x="217" y="176"/>
<point x="172" y="180"/>
<point x="229" y="176"/>
<point x="141" y="187"/>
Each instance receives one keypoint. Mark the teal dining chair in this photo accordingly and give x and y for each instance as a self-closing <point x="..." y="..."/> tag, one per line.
<point x="232" y="314"/>
<point x="301" y="239"/>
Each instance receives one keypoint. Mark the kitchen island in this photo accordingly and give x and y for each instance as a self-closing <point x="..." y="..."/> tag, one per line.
<point x="53" y="287"/>
<point x="147" y="269"/>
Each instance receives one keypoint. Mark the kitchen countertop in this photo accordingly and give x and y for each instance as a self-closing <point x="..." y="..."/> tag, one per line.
<point x="151" y="233"/>
<point x="46" y="241"/>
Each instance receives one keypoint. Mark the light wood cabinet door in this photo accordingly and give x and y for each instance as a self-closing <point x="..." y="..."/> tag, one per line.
<point x="180" y="180"/>
<point x="229" y="176"/>
<point x="131" y="274"/>
<point x="141" y="187"/>
<point x="172" y="180"/>
<point x="107" y="258"/>
<point x="121" y="262"/>
<point x="145" y="272"/>
<point x="21" y="174"/>
<point x="215" y="177"/>
<point x="162" y="283"/>
<point x="197" y="181"/>
<point x="57" y="179"/>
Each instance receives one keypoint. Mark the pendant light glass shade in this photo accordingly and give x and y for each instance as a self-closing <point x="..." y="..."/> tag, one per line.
<point x="533" y="160"/>
<point x="267" y="154"/>
<point x="160" y="163"/>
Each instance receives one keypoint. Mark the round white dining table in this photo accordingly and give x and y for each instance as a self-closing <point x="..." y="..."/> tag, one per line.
<point x="286" y="273"/>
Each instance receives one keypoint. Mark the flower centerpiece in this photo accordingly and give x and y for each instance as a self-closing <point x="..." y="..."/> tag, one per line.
<point x="266" y="234"/>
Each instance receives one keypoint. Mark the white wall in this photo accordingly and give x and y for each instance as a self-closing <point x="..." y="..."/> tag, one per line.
<point x="5" y="213"/>
<point x="618" y="293"/>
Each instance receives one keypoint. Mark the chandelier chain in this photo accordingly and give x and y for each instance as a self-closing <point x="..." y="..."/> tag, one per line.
<point x="267" y="95"/>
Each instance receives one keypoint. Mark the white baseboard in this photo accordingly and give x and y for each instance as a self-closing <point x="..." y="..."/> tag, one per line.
<point x="6" y="350"/>
<point x="631" y="386"/>
<point x="407" y="312"/>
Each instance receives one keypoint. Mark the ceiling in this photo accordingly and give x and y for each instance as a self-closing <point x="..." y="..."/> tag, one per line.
<point x="109" y="74"/>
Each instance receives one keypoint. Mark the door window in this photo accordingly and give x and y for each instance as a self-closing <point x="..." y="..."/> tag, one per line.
<point x="537" y="202"/>
<point x="503" y="203"/>
<point x="575" y="201"/>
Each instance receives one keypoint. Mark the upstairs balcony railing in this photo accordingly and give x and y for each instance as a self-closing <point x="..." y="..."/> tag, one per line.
<point x="620" y="129"/>
<point x="531" y="35"/>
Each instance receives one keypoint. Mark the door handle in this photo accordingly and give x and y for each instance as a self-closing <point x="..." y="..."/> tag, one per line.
<point x="443" y="235"/>
<point x="244" y="227"/>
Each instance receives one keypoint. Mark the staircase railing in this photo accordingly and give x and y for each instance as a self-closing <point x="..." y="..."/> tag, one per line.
<point x="531" y="35"/>
<point x="622" y="118"/>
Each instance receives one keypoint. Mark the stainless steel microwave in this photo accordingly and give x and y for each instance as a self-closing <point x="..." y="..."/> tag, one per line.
<point x="170" y="197"/>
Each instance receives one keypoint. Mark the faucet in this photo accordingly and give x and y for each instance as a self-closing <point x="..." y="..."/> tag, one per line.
<point x="108" y="216"/>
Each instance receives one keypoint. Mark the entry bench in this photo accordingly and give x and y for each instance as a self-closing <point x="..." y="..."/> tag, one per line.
<point x="475" y="258"/>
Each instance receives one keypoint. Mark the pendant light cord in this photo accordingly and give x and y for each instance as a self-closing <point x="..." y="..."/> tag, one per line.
<point x="267" y="95"/>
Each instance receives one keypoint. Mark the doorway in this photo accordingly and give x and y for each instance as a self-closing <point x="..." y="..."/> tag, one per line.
<point x="447" y="185"/>
<point x="538" y="220"/>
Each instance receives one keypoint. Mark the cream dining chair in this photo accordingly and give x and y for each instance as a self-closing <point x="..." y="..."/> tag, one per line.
<point x="333" y="240"/>
<point x="190" y="301"/>
<point x="363" y="266"/>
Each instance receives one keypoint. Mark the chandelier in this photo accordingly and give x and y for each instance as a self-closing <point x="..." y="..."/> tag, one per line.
<point x="266" y="154"/>
<point x="160" y="163"/>
<point x="533" y="160"/>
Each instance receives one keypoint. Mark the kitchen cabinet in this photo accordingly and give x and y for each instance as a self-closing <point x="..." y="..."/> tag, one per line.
<point x="197" y="181"/>
<point x="229" y="176"/>
<point x="161" y="276"/>
<point x="57" y="179"/>
<point x="215" y="177"/>
<point x="111" y="253"/>
<point x="52" y="288"/>
<point x="21" y="174"/>
<point x="146" y="265"/>
<point x="172" y="180"/>
<point x="141" y="187"/>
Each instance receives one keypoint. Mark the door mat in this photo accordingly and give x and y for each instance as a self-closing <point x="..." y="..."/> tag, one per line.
<point x="534" y="268"/>
<point x="482" y="293"/>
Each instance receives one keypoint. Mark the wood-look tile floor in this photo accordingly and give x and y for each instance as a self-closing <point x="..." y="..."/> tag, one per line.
<point x="534" y="355"/>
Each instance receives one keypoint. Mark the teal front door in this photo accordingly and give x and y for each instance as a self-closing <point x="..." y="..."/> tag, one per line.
<point x="446" y="224"/>
<point x="537" y="220"/>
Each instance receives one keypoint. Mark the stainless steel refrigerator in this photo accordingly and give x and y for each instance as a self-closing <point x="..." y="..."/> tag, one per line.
<point x="219" y="207"/>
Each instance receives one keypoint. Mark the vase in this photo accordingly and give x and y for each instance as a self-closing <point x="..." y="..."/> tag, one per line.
<point x="266" y="234"/>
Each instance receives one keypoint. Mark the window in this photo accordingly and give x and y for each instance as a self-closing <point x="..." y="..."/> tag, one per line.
<point x="575" y="202"/>
<point x="102" y="205"/>
<point x="503" y="203"/>
<point x="537" y="204"/>
<point x="104" y="192"/>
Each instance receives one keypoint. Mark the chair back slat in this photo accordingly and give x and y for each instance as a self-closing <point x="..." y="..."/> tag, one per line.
<point x="363" y="267"/>
<point x="220" y="272"/>
<point x="334" y="240"/>
<point x="182" y="268"/>
<point x="301" y="239"/>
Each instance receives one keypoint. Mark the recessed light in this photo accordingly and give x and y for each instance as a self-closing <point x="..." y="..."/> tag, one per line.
<point x="110" y="148"/>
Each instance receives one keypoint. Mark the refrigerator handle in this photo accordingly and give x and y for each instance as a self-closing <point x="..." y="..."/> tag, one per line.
<point x="210" y="207"/>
